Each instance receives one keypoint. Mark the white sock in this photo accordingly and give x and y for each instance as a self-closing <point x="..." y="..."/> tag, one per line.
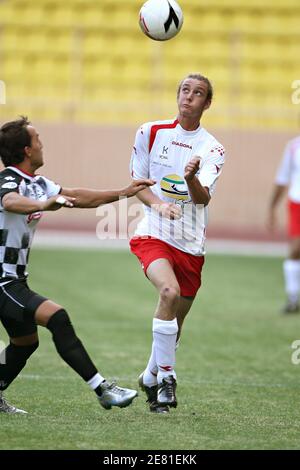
<point x="291" y="269"/>
<point x="150" y="373"/>
<point x="164" y="339"/>
<point x="95" y="381"/>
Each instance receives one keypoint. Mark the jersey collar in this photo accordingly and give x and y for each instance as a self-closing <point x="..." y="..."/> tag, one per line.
<point x="21" y="173"/>
<point x="190" y="133"/>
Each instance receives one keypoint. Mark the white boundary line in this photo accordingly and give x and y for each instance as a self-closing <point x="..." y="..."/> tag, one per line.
<point x="89" y="241"/>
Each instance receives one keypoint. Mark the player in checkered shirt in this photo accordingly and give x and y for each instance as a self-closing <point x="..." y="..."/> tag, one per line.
<point x="24" y="196"/>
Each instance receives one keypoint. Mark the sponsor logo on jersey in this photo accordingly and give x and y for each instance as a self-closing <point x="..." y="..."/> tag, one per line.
<point x="9" y="185"/>
<point x="164" y="154"/>
<point x="10" y="178"/>
<point x="181" y="144"/>
<point x="174" y="187"/>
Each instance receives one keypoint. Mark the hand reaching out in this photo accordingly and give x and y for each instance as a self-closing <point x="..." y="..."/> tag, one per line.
<point x="57" y="202"/>
<point x="136" y="186"/>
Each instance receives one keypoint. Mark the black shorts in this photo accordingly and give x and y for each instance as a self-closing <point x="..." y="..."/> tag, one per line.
<point x="18" y="305"/>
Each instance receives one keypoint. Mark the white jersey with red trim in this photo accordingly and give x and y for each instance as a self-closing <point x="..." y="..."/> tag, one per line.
<point x="288" y="173"/>
<point x="161" y="151"/>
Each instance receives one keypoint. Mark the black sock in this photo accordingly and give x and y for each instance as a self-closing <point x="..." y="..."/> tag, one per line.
<point x="13" y="359"/>
<point x="69" y="347"/>
<point x="99" y="390"/>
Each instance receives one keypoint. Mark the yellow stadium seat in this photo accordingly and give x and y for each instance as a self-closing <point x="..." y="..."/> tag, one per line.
<point x="62" y="42"/>
<point x="97" y="72"/>
<point x="139" y="74"/>
<point x="33" y="15"/>
<point x="94" y="44"/>
<point x="46" y="71"/>
<point x="123" y="45"/>
<point x="61" y="15"/>
<point x="10" y="39"/>
<point x="270" y="22"/>
<point x="91" y="16"/>
<point x="243" y="22"/>
<point x="13" y="68"/>
<point x="7" y="13"/>
<point x="212" y="21"/>
<point x="36" y="42"/>
<point x="122" y="19"/>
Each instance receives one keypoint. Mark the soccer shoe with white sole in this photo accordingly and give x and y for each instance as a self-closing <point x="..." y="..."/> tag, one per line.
<point x="151" y="393"/>
<point x="5" y="407"/>
<point x="166" y="392"/>
<point x="112" y="395"/>
<point x="291" y="307"/>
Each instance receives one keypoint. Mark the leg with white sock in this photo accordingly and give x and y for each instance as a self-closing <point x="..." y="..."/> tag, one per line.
<point x="151" y="371"/>
<point x="164" y="341"/>
<point x="165" y="329"/>
<point x="291" y="269"/>
<point x="72" y="351"/>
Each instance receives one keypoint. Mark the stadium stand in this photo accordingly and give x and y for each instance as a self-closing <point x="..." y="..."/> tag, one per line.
<point x="87" y="61"/>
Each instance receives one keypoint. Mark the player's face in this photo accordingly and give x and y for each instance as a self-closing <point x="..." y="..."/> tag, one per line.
<point x="192" y="98"/>
<point x="35" y="151"/>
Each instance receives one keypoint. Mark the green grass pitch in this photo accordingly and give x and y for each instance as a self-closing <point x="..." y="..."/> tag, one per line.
<point x="237" y="387"/>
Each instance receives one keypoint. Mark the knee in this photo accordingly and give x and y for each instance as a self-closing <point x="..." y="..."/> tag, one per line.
<point x="169" y="294"/>
<point x="33" y="347"/>
<point x="58" y="320"/>
<point x="23" y="351"/>
<point x="63" y="333"/>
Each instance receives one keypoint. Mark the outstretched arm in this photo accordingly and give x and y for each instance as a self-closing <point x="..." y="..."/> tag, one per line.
<point x="89" y="198"/>
<point x="14" y="202"/>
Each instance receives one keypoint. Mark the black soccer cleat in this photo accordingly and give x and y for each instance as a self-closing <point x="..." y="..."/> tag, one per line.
<point x="166" y="392"/>
<point x="291" y="307"/>
<point x="151" y="393"/>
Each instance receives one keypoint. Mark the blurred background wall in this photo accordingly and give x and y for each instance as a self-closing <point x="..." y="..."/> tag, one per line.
<point x="87" y="77"/>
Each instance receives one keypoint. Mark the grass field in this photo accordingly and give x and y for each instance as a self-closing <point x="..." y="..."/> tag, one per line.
<point x="237" y="386"/>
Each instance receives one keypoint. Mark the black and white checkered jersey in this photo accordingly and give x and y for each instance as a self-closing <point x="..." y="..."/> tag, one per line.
<point x="17" y="230"/>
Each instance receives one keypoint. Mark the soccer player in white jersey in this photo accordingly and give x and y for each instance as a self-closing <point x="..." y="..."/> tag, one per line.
<point x="288" y="177"/>
<point x="185" y="161"/>
<point x="24" y="196"/>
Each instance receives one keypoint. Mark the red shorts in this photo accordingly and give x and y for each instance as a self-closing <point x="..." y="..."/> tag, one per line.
<point x="294" y="219"/>
<point x="187" y="267"/>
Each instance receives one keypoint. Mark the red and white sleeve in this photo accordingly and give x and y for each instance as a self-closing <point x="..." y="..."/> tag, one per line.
<point x="139" y="163"/>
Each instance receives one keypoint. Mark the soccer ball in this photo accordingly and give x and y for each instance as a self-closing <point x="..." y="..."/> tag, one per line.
<point x="161" y="19"/>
